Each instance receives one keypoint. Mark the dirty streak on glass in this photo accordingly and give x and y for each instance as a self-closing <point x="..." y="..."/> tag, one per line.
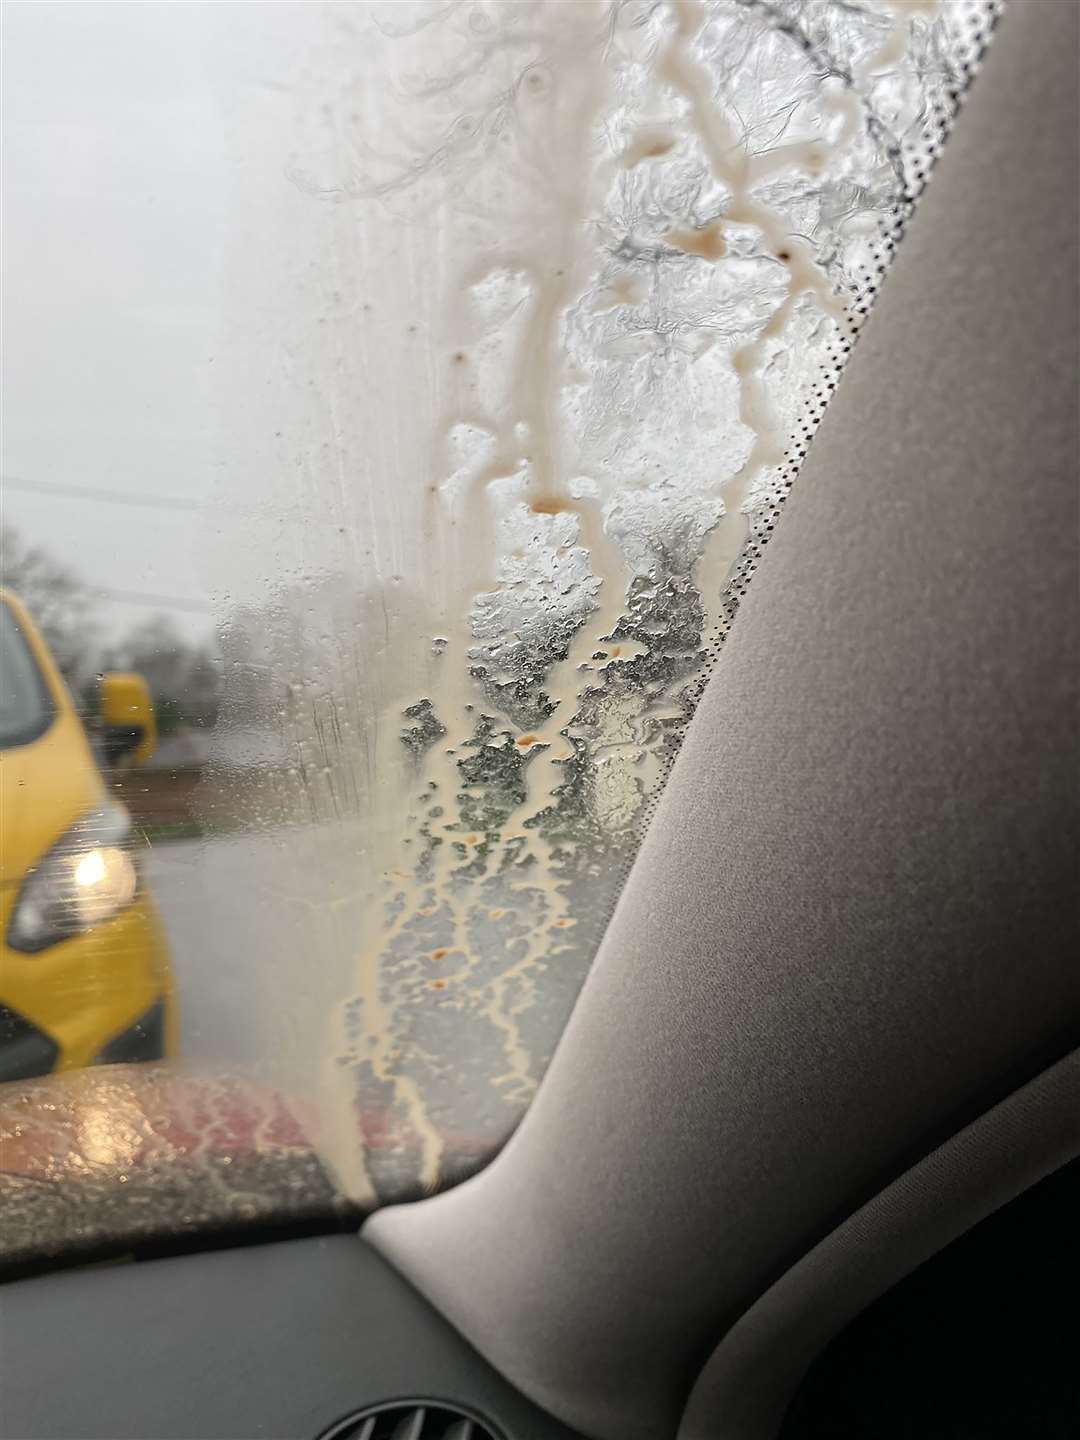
<point x="450" y="359"/>
<point x="525" y="305"/>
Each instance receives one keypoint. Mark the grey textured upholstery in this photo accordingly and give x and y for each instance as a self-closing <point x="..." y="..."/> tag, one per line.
<point x="852" y="928"/>
<point x="744" y="1389"/>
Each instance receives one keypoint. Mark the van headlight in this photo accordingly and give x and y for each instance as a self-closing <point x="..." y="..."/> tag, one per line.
<point x="85" y="878"/>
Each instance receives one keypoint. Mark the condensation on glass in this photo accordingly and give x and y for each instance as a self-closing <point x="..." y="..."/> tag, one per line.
<point x="514" y="321"/>
<point x="555" y="290"/>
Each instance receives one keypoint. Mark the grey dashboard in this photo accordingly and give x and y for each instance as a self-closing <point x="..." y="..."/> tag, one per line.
<point x="272" y="1341"/>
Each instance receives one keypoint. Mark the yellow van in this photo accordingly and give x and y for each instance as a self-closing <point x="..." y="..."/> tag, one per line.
<point x="85" y="976"/>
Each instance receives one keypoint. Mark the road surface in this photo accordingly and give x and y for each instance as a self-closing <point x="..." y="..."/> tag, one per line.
<point x="263" y="931"/>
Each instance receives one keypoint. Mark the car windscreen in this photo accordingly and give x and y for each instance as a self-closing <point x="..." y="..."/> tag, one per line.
<point x="403" y="397"/>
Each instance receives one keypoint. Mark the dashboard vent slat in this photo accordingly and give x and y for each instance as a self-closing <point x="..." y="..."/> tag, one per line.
<point x="412" y="1420"/>
<point x="411" y="1426"/>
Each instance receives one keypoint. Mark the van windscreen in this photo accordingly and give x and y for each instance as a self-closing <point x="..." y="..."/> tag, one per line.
<point x="25" y="709"/>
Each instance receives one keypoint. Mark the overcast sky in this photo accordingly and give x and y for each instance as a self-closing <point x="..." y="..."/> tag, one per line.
<point x="117" y="183"/>
<point x="232" y="289"/>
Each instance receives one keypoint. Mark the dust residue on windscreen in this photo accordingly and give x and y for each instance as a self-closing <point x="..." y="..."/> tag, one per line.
<point x="558" y="289"/>
<point x="120" y="1159"/>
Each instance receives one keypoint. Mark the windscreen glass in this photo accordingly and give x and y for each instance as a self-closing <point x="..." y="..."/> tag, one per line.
<point x="398" y="401"/>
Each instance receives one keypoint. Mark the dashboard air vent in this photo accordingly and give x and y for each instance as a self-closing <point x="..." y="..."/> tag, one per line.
<point x="411" y="1420"/>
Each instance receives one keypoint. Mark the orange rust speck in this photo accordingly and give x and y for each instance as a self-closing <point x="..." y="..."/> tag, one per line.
<point x="564" y="922"/>
<point x="648" y="146"/>
<point x="549" y="505"/>
<point x="525" y="741"/>
<point x="440" y="953"/>
<point x="437" y="984"/>
<point x="707" y="242"/>
<point x="654" y="148"/>
<point x="471" y="839"/>
<point x="496" y="914"/>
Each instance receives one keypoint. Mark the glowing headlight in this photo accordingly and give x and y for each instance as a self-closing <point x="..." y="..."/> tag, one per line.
<point x="84" y="879"/>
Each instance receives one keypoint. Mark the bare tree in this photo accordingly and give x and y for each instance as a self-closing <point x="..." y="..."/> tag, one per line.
<point x="58" y="601"/>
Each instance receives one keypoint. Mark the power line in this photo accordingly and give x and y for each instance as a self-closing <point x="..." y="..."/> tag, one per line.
<point x="142" y="597"/>
<point x="119" y="497"/>
<point x="108" y="497"/>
